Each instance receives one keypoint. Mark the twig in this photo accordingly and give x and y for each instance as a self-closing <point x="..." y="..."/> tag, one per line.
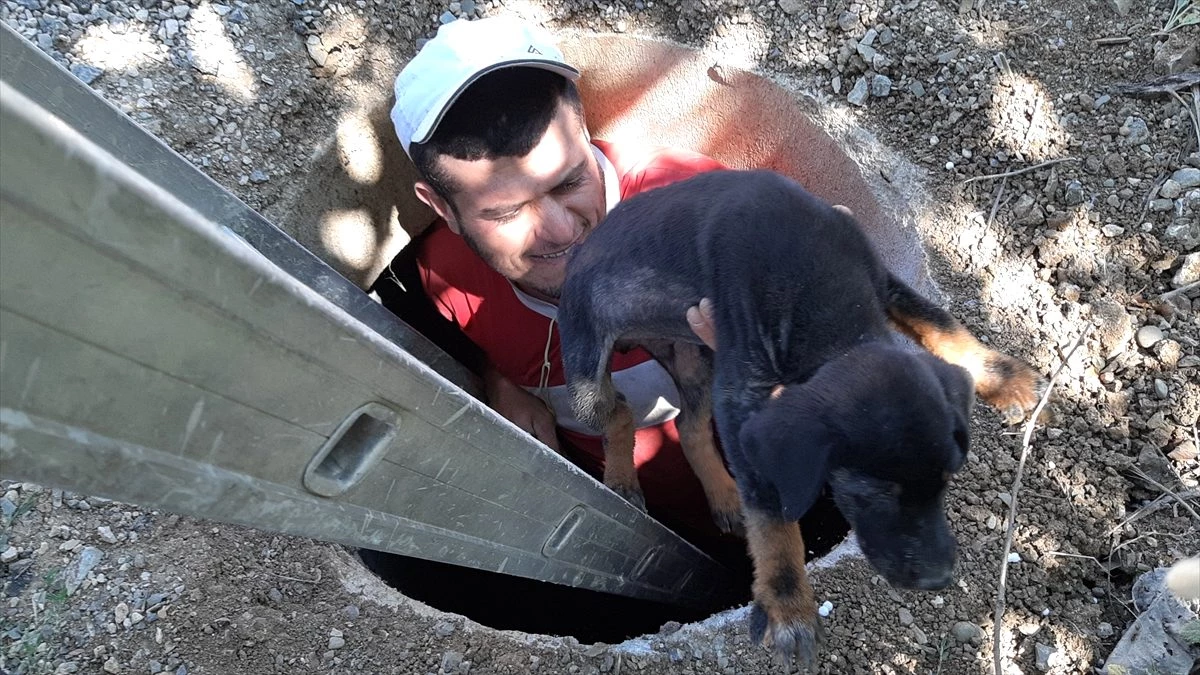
<point x="1193" y="110"/>
<point x="1060" y="554"/>
<point x="1170" y="294"/>
<point x="996" y="204"/>
<point x="1160" y="86"/>
<point x="303" y="581"/>
<point x="1018" y="172"/>
<point x="1146" y="477"/>
<point x="1127" y="542"/>
<point x="1026" y="445"/>
<point x="1111" y="41"/>
<point x="1158" y="504"/>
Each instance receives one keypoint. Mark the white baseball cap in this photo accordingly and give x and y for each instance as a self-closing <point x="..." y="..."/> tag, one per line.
<point x="461" y="53"/>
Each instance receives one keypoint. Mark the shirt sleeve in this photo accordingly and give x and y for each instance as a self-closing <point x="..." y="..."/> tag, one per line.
<point x="454" y="278"/>
<point x="663" y="166"/>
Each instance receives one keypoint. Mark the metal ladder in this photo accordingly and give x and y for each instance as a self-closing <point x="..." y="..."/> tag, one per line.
<point x="164" y="345"/>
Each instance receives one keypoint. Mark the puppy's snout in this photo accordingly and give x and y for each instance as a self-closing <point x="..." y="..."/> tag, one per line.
<point x="934" y="580"/>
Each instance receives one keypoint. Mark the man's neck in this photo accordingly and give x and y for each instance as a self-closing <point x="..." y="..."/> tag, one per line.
<point x="536" y="294"/>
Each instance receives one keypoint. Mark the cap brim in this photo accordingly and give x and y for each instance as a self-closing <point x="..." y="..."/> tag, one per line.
<point x="425" y="129"/>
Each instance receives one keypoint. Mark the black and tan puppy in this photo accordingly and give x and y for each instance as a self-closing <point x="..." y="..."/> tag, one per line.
<point x="808" y="384"/>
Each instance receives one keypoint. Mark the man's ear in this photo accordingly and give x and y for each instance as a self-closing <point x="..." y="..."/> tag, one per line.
<point x="433" y="200"/>
<point x="789" y="448"/>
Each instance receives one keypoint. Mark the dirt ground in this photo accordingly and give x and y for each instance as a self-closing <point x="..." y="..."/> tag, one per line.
<point x="960" y="89"/>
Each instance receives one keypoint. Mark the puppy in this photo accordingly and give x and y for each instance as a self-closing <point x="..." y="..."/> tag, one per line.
<point x="809" y="385"/>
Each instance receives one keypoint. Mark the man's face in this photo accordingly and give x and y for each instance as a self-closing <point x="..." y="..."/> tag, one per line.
<point x="522" y="215"/>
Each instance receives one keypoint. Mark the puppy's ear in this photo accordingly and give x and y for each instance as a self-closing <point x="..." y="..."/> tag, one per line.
<point x="959" y="390"/>
<point x="789" y="449"/>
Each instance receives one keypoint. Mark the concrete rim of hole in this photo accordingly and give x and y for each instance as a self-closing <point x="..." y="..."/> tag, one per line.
<point x="636" y="90"/>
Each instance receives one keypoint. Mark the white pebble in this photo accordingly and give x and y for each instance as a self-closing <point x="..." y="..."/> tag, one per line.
<point x="825" y="608"/>
<point x="1014" y="557"/>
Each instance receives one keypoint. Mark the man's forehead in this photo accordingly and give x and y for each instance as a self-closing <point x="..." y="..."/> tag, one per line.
<point x="545" y="166"/>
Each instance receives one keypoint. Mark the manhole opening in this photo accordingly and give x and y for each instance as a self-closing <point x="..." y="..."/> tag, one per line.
<point x="505" y="602"/>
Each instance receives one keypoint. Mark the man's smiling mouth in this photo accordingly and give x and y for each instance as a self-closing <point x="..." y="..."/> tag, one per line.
<point x="557" y="254"/>
<point x="552" y="256"/>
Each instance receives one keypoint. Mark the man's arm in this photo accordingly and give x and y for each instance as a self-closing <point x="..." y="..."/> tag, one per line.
<point x="520" y="407"/>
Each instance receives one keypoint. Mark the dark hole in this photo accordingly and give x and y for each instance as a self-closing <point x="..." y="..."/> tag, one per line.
<point x="507" y="602"/>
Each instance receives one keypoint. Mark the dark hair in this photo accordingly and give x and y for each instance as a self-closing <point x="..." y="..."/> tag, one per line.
<point x="503" y="114"/>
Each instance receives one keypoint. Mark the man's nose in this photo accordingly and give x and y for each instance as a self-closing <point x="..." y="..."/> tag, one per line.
<point x="557" y="222"/>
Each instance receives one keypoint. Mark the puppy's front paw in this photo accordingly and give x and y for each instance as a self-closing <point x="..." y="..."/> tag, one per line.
<point x="726" y="507"/>
<point x="631" y="493"/>
<point x="1011" y="386"/>
<point x="729" y="521"/>
<point x="788" y="636"/>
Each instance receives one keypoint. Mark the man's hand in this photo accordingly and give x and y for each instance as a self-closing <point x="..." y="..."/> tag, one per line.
<point x="521" y="408"/>
<point x="700" y="318"/>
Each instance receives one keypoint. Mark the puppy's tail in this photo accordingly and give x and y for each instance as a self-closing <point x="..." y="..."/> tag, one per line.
<point x="586" y="356"/>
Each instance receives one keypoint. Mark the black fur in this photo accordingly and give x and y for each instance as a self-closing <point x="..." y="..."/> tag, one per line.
<point x="800" y="299"/>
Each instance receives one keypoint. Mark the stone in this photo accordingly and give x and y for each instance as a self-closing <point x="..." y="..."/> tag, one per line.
<point x="1187" y="177"/>
<point x="848" y="21"/>
<point x="858" y="95"/>
<point x="88" y="558"/>
<point x="1188" y="272"/>
<point x="106" y="534"/>
<point x="1160" y="389"/>
<point x="1153" y="643"/>
<point x="791" y="6"/>
<point x="1135" y="130"/>
<point x="86" y="74"/>
<point x="1115" y="326"/>
<point x="1170" y="189"/>
<point x="1111" y="230"/>
<point x="1104" y="630"/>
<point x="917" y="88"/>
<point x="336" y="642"/>
<point x="1148" y="336"/>
<point x="965" y="631"/>
<point x="10" y="554"/>
<point x="906" y="617"/>
<point x="881" y="86"/>
<point x="1044" y="652"/>
<point x="1074" y="193"/>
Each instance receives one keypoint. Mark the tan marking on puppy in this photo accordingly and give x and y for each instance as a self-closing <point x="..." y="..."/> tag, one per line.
<point x="1004" y="382"/>
<point x="619" y="472"/>
<point x="781" y="583"/>
<point x="700" y="449"/>
<point x="776" y="391"/>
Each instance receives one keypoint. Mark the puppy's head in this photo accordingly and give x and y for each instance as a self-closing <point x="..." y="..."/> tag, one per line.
<point x="887" y="428"/>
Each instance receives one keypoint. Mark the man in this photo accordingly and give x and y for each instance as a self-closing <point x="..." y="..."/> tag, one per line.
<point x="489" y="113"/>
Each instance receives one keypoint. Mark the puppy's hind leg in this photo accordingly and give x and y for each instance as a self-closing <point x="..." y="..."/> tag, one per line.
<point x="586" y="362"/>
<point x="1007" y="383"/>
<point x="690" y="366"/>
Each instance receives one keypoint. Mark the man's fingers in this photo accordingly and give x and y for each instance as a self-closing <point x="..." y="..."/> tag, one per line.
<point x="700" y="320"/>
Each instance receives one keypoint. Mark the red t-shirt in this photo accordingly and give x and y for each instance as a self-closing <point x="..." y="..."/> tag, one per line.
<point x="508" y="326"/>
